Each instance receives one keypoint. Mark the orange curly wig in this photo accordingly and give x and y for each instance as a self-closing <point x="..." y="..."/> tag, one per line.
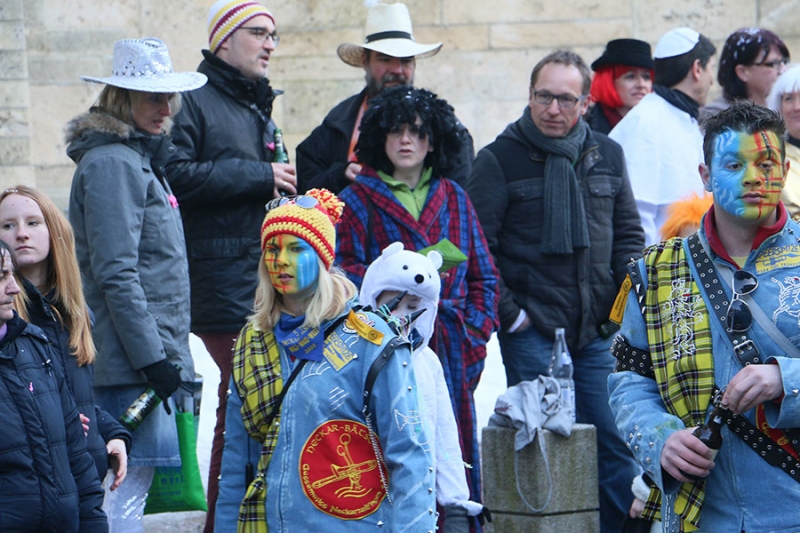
<point x="685" y="214"/>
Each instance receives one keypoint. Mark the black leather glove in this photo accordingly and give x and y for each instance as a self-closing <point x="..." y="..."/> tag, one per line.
<point x="456" y="520"/>
<point x="165" y="378"/>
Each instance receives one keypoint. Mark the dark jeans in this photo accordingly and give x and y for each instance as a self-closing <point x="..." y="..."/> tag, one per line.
<point x="220" y="347"/>
<point x="526" y="355"/>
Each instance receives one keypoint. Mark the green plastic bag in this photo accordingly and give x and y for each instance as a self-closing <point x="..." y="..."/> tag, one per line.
<point x="177" y="489"/>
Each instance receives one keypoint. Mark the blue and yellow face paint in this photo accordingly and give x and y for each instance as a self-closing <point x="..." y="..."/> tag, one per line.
<point x="747" y="173"/>
<point x="292" y="264"/>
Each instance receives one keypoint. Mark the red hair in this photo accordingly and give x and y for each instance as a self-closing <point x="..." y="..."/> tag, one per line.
<point x="603" y="90"/>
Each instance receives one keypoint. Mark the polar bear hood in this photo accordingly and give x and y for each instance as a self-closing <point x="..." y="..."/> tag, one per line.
<point x="398" y="269"/>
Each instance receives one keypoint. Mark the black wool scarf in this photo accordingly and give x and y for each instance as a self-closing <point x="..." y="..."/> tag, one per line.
<point x="565" y="227"/>
<point x="679" y="99"/>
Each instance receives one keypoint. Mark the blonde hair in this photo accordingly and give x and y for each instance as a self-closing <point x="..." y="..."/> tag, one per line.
<point x="118" y="103"/>
<point x="330" y="299"/>
<point x="63" y="276"/>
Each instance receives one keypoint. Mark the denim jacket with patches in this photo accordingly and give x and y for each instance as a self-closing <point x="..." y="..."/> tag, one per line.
<point x="322" y="461"/>
<point x="743" y="492"/>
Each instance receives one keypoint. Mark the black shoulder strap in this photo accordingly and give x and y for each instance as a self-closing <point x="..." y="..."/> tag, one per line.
<point x="249" y="470"/>
<point x="279" y="400"/>
<point x="375" y="370"/>
<point x="745" y="347"/>
<point x="763" y="444"/>
<point x="630" y="359"/>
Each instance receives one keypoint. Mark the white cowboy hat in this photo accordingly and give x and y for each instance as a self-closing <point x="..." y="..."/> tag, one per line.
<point x="144" y="65"/>
<point x="389" y="32"/>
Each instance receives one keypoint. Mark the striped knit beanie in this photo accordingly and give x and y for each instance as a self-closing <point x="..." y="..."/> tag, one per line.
<point x="311" y="217"/>
<point x="227" y="16"/>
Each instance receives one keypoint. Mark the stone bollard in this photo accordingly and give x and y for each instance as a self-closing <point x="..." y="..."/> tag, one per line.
<point x="573" y="507"/>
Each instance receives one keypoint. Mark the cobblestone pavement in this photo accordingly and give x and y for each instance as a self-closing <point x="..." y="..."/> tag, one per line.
<point x="191" y="522"/>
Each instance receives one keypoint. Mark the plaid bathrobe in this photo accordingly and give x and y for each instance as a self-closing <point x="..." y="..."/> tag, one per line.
<point x="372" y="219"/>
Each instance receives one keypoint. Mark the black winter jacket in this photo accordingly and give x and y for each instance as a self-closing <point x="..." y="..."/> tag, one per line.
<point x="322" y="156"/>
<point x="102" y="426"/>
<point x="598" y="120"/>
<point x="222" y="177"/>
<point x="48" y="480"/>
<point x="571" y="291"/>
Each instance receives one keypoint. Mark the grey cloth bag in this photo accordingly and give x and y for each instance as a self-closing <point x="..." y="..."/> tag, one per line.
<point x="527" y="407"/>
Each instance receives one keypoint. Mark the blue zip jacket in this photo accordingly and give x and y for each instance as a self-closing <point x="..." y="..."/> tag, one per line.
<point x="48" y="480"/>
<point x="102" y="426"/>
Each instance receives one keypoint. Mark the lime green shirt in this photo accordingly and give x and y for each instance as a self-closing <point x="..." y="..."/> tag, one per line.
<point x="412" y="199"/>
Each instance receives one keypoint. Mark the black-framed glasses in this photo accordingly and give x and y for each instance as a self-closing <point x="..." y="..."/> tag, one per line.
<point x="565" y="101"/>
<point x="774" y="63"/>
<point x="739" y="317"/>
<point x="262" y="34"/>
<point x="306" y="202"/>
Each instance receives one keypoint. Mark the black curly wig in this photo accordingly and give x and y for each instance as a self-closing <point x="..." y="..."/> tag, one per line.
<point x="402" y="105"/>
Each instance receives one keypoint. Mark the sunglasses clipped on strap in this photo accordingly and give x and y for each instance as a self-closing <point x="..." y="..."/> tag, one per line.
<point x="739" y="318"/>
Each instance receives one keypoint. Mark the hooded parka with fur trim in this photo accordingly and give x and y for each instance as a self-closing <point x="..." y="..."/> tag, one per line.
<point x="130" y="247"/>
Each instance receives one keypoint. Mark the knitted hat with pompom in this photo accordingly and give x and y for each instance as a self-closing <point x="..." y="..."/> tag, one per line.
<point x="311" y="217"/>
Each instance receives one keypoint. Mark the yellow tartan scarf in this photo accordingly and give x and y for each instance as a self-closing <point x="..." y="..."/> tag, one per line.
<point x="258" y="379"/>
<point x="679" y="335"/>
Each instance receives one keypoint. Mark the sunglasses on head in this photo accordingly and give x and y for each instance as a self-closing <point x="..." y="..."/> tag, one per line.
<point x="306" y="202"/>
<point x="739" y="318"/>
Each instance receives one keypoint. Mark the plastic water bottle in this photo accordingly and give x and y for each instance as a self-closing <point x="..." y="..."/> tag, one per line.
<point x="561" y="368"/>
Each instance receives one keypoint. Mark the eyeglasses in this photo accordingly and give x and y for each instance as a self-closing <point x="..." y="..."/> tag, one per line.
<point x="261" y="34"/>
<point x="565" y="101"/>
<point x="306" y="202"/>
<point x="739" y="318"/>
<point x="776" y="63"/>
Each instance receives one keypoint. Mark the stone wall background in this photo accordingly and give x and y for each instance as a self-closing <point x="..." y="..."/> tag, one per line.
<point x="489" y="50"/>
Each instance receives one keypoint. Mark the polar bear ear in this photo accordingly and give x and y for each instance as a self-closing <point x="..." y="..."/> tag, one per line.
<point x="392" y="249"/>
<point x="435" y="258"/>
